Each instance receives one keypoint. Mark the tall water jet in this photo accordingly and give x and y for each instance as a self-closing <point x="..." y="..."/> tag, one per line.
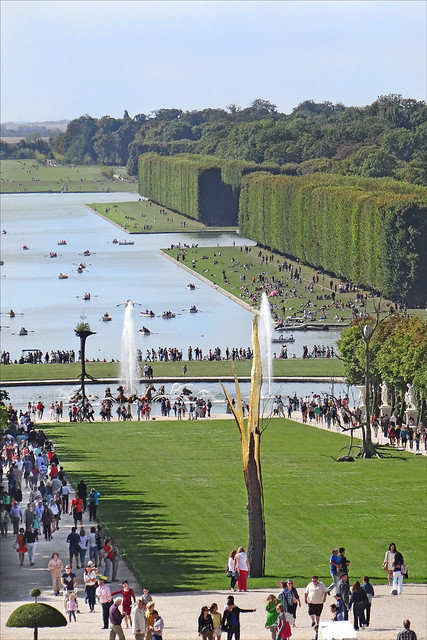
<point x="129" y="369"/>
<point x="265" y="333"/>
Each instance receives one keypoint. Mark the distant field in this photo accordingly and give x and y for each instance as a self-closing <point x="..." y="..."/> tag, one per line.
<point x="241" y="267"/>
<point x="312" y="368"/>
<point x="29" y="176"/>
<point x="147" y="217"/>
<point x="174" y="498"/>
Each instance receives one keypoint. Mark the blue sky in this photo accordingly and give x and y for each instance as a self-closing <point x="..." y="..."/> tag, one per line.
<point x="62" y="59"/>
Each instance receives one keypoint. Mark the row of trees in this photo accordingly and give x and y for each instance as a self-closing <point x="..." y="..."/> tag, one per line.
<point x="386" y="138"/>
<point x="398" y="356"/>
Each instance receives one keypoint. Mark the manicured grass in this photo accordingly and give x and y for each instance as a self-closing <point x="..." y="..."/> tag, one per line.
<point x="30" y="176"/>
<point x="173" y="495"/>
<point x="212" y="261"/>
<point x="293" y="367"/>
<point x="147" y="217"/>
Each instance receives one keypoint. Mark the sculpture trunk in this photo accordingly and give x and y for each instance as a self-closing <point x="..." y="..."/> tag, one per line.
<point x="250" y="441"/>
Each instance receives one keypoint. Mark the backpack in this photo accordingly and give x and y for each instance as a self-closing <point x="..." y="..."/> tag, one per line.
<point x="92" y="498"/>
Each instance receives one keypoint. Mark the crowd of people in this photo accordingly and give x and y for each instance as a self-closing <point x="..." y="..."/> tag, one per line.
<point x="29" y="463"/>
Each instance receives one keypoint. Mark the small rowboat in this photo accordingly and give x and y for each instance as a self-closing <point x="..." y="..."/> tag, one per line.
<point x="106" y="317"/>
<point x="115" y="241"/>
<point x="126" y="242"/>
<point x="53" y="254"/>
<point x="24" y="247"/>
<point x="282" y="339"/>
<point x="63" y="276"/>
<point x="193" y="309"/>
<point x="191" y="286"/>
<point x="147" y="314"/>
<point x="86" y="296"/>
<point x="22" y="332"/>
<point x="144" y="331"/>
<point x="11" y="314"/>
<point x="86" y="253"/>
<point x="168" y="314"/>
<point x="61" y="242"/>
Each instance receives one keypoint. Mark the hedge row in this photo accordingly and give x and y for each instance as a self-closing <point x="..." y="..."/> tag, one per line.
<point x="202" y="187"/>
<point x="369" y="231"/>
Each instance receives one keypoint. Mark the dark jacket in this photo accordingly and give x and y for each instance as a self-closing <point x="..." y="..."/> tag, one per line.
<point x="231" y="619"/>
<point x="205" y="624"/>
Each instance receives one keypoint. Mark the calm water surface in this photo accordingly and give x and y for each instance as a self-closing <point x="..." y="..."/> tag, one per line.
<point x="51" y="307"/>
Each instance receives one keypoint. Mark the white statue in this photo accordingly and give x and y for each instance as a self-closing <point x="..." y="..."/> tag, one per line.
<point x="384" y="394"/>
<point x="410" y="397"/>
<point x="362" y="393"/>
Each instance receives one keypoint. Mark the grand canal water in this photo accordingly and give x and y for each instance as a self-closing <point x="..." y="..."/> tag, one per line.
<point x="51" y="308"/>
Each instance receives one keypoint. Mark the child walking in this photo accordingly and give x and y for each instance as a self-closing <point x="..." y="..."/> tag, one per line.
<point x="72" y="607"/>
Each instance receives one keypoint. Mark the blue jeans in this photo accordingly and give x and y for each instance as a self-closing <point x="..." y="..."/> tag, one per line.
<point x="107" y="567"/>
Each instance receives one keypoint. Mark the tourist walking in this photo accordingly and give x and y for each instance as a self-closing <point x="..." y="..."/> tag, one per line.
<point x="69" y="584"/>
<point x="55" y="567"/>
<point x="231" y="569"/>
<point x="128" y="596"/>
<point x="216" y="619"/>
<point x="73" y="540"/>
<point x="241" y="564"/>
<point x="89" y="579"/>
<point x="397" y="573"/>
<point x="334" y="566"/>
<point x="30" y="543"/>
<point x="359" y="602"/>
<point x="315" y="597"/>
<point x="139" y="621"/>
<point x="388" y="562"/>
<point x="205" y="624"/>
<point x="272" y="615"/>
<point x="116" y="617"/>
<point x="406" y="633"/>
<point x="157" y="626"/>
<point x="231" y="619"/>
<point x="20" y="546"/>
<point x="370" y="593"/>
<point x="290" y="599"/>
<point x="103" y="594"/>
<point x="93" y="504"/>
<point x="343" y="592"/>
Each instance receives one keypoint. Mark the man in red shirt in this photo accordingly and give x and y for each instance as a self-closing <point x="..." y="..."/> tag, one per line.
<point x="77" y="509"/>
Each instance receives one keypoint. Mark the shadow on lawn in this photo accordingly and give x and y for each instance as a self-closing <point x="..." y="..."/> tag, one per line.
<point x="145" y="536"/>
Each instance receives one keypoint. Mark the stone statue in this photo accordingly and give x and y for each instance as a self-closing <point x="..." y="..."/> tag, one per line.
<point x="384" y="394"/>
<point x="410" y="397"/>
<point x="362" y="393"/>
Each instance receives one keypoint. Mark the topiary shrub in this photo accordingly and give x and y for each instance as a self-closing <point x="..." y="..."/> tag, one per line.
<point x="35" y="615"/>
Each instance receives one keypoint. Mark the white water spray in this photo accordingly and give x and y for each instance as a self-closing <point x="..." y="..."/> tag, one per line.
<point x="129" y="370"/>
<point x="265" y="333"/>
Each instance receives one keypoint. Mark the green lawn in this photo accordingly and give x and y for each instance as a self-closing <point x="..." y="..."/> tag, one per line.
<point x="29" y="176"/>
<point x="173" y="495"/>
<point x="212" y="261"/>
<point x="293" y="367"/>
<point x="147" y="217"/>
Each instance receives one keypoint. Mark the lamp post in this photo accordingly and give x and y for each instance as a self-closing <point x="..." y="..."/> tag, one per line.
<point x="367" y="335"/>
<point x="83" y="331"/>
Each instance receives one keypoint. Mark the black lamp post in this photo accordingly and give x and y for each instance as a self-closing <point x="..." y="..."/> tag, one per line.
<point x="83" y="332"/>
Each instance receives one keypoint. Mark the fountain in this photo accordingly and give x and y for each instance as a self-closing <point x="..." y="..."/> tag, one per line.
<point x="129" y="369"/>
<point x="265" y="340"/>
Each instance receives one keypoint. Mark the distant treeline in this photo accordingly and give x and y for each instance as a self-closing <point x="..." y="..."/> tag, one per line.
<point x="369" y="231"/>
<point x="385" y="139"/>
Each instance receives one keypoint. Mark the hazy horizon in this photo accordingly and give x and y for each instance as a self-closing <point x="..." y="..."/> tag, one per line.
<point x="63" y="59"/>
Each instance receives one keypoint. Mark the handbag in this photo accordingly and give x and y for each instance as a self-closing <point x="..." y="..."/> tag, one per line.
<point x="229" y="574"/>
<point x="403" y="569"/>
<point x="384" y="565"/>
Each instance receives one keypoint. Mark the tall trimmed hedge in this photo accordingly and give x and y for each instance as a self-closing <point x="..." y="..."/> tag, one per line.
<point x="202" y="187"/>
<point x="371" y="232"/>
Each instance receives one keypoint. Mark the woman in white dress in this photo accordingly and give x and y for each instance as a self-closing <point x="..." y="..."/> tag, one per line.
<point x="389" y="561"/>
